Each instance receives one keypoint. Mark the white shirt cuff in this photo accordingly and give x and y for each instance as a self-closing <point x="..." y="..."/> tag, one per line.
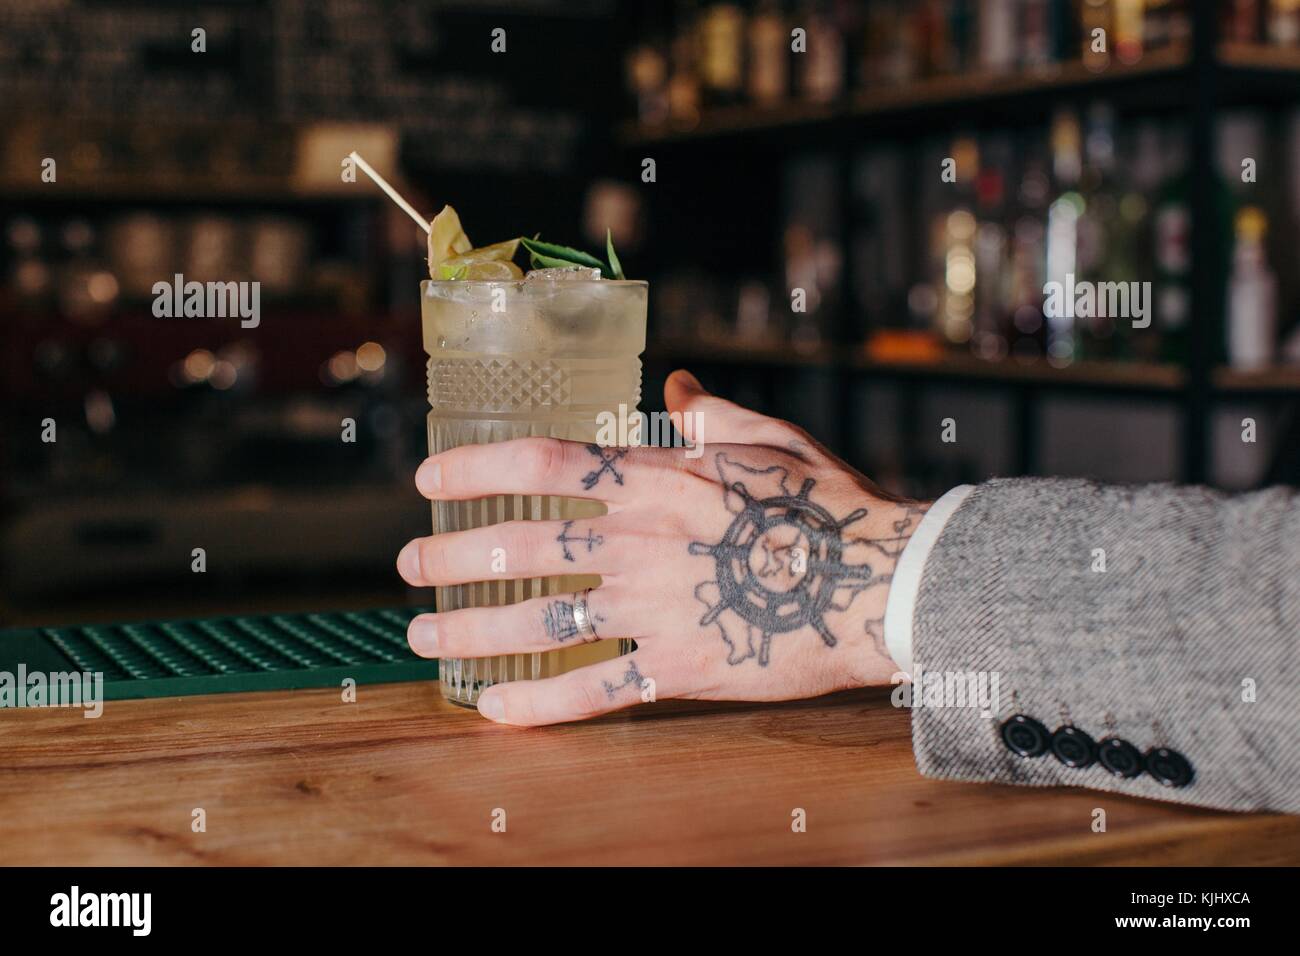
<point x="906" y="582"/>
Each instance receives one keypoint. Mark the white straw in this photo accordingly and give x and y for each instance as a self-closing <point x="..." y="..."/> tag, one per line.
<point x="392" y="193"/>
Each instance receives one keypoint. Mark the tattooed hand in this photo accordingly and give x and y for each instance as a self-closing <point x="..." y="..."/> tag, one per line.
<point x="757" y="571"/>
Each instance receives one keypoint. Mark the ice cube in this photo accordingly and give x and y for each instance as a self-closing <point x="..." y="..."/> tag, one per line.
<point x="576" y="273"/>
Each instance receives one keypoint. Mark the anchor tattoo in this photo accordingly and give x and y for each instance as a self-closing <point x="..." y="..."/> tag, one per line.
<point x="590" y="539"/>
<point x="631" y="676"/>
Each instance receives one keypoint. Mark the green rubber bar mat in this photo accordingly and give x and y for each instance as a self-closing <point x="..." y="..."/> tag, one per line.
<point x="224" y="654"/>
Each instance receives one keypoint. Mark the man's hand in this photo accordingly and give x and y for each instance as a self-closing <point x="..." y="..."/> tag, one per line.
<point x="756" y="571"/>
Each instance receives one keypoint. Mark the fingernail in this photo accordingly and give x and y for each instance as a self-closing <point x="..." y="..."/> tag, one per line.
<point x="422" y="635"/>
<point x="690" y="379"/>
<point x="408" y="562"/>
<point x="492" y="707"/>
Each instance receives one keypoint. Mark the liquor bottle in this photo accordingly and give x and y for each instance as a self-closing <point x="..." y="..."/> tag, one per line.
<point x="1284" y="22"/>
<point x="953" y="237"/>
<point x="992" y="272"/>
<point x="721" y="46"/>
<point x="997" y="35"/>
<point x="961" y="29"/>
<point x="1026" y="334"/>
<point x="819" y="69"/>
<point x="1095" y="28"/>
<point x="878" y="39"/>
<point x="1173" y="258"/>
<point x="646" y="69"/>
<point x="1180" y="23"/>
<point x="1128" y="30"/>
<point x="768" y="76"/>
<point x="1172" y="246"/>
<point x="1063" y="237"/>
<point x="938" y="56"/>
<point x="1063" y="29"/>
<point x="1107" y="243"/>
<point x="683" y="78"/>
<point x="1035" y="33"/>
<point x="1241" y="21"/>
<point x="1145" y="174"/>
<point x="890" y="54"/>
<point x="882" y="214"/>
<point x="1252" y="295"/>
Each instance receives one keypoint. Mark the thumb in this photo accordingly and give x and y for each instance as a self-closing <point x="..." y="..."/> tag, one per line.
<point x="706" y="417"/>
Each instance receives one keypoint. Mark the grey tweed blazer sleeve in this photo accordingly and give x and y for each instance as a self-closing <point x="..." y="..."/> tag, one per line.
<point x="1173" y="673"/>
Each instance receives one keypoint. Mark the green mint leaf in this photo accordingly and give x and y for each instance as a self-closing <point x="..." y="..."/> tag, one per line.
<point x="560" y="256"/>
<point x="616" y="268"/>
<point x="536" y="261"/>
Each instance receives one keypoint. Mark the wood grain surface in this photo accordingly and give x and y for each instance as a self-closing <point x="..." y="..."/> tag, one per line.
<point x="400" y="777"/>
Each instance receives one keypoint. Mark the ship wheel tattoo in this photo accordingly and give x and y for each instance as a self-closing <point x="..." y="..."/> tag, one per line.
<point x="781" y="566"/>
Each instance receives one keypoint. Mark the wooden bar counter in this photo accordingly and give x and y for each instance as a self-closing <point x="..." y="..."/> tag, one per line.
<point x="400" y="777"/>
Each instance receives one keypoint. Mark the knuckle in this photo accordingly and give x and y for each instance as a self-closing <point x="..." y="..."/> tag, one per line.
<point x="544" y="458"/>
<point x="520" y="705"/>
<point x="696" y="662"/>
<point x="432" y="556"/>
<point x="807" y="445"/>
<point x="454" y="634"/>
<point x="586" y="698"/>
<point x="675" y="525"/>
<point x="677" y="477"/>
<point x="622" y="541"/>
<point x="454" y="467"/>
<point x="674" y="460"/>
<point x="691" y="667"/>
<point x="519" y="538"/>
<point x="696" y="473"/>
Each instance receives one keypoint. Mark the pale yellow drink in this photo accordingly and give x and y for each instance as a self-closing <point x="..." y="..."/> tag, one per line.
<point x="508" y="360"/>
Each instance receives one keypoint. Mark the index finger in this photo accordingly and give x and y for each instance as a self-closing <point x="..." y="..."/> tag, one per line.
<point x="534" y="466"/>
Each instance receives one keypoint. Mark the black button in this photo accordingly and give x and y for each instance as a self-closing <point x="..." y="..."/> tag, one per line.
<point x="1119" y="757"/>
<point x="1169" y="767"/>
<point x="1025" y="736"/>
<point x="1073" y="747"/>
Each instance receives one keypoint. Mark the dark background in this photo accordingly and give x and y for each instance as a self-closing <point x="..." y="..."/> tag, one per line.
<point x="818" y="170"/>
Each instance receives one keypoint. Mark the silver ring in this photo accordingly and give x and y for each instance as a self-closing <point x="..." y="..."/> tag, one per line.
<point x="582" y="616"/>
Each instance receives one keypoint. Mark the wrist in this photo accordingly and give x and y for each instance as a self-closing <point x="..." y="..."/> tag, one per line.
<point x="884" y="537"/>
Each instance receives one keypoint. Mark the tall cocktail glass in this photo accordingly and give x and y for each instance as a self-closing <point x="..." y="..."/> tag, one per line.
<point x="508" y="360"/>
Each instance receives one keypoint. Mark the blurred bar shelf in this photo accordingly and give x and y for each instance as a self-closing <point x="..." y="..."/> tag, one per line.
<point x="758" y="355"/>
<point x="1158" y="81"/>
<point x="1259" y="57"/>
<point x="190" y="191"/>
<point x="1151" y="378"/>
<point x="1006" y="93"/>
<point x="1092" y="374"/>
<point x="1281" y="380"/>
<point x="986" y="89"/>
<point x="1123" y="377"/>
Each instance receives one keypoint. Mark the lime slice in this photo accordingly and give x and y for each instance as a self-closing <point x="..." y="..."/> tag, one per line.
<point x="467" y="267"/>
<point x="490" y="262"/>
<point x="446" y="238"/>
